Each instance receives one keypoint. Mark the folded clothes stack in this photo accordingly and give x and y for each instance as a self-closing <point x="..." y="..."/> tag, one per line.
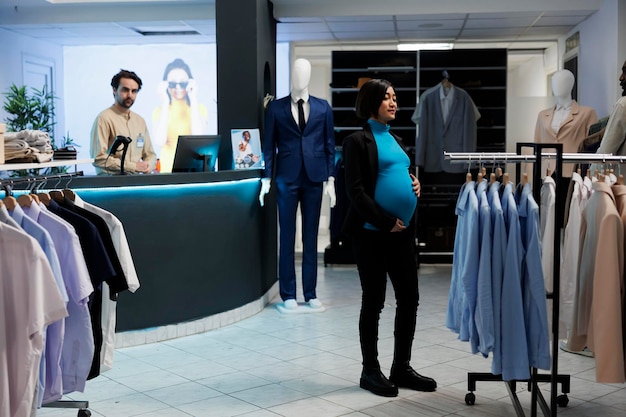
<point x="27" y="146"/>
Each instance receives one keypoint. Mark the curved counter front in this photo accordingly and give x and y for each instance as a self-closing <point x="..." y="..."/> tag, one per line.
<point x="200" y="242"/>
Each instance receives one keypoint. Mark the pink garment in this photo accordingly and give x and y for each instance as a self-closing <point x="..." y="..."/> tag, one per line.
<point x="31" y="300"/>
<point x="600" y="286"/>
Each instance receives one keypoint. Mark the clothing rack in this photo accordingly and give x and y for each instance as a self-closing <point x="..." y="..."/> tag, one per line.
<point x="554" y="378"/>
<point x="518" y="158"/>
<point x="33" y="183"/>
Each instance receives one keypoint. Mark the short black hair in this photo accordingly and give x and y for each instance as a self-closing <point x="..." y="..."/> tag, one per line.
<point x="115" y="81"/>
<point x="371" y="94"/>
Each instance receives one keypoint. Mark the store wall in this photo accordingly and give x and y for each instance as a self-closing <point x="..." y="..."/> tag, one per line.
<point x="79" y="101"/>
<point x="601" y="55"/>
<point x="528" y="92"/>
<point x="15" y="49"/>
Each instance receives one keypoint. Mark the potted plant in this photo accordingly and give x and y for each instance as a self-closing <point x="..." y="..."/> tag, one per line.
<point x="30" y="111"/>
<point x="30" y="108"/>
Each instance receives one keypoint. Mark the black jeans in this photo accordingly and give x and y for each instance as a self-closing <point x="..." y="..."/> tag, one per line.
<point x="378" y="254"/>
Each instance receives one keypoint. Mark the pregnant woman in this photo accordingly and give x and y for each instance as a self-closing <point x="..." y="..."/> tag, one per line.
<point x="383" y="197"/>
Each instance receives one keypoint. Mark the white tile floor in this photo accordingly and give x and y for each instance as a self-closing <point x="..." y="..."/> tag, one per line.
<point x="309" y="365"/>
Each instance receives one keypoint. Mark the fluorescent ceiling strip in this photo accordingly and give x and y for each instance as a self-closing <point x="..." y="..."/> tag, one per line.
<point x="425" y="46"/>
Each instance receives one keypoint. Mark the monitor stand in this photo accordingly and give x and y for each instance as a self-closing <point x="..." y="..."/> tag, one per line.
<point x="206" y="161"/>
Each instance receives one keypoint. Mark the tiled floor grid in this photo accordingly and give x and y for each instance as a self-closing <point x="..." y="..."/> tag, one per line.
<point x="308" y="365"/>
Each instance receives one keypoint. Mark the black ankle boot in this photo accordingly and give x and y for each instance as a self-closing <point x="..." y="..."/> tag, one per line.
<point x="404" y="376"/>
<point x="374" y="381"/>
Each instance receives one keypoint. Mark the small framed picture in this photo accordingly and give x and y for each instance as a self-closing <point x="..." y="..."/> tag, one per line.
<point x="246" y="148"/>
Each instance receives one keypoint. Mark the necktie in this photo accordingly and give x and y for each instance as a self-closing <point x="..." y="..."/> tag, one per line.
<point x="301" y="120"/>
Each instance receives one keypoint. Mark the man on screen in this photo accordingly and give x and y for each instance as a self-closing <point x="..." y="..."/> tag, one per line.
<point x="119" y="120"/>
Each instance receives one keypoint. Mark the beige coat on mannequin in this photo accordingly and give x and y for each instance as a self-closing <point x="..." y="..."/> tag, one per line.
<point x="574" y="127"/>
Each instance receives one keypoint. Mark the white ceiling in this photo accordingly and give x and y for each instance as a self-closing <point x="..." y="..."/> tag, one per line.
<point x="516" y="24"/>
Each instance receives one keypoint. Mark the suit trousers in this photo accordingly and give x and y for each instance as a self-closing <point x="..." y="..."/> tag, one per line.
<point x="377" y="255"/>
<point x="309" y="195"/>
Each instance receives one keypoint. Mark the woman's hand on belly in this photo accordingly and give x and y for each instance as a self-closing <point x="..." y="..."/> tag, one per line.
<point x="417" y="187"/>
<point x="399" y="226"/>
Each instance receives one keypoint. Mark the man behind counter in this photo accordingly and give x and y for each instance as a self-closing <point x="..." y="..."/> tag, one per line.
<point x="119" y="120"/>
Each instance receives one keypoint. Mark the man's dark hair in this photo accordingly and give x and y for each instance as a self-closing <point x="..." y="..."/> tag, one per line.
<point x="371" y="94"/>
<point x="115" y="81"/>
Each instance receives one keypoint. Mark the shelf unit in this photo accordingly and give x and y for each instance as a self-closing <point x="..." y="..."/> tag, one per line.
<point x="41" y="165"/>
<point x="352" y="68"/>
<point x="482" y="73"/>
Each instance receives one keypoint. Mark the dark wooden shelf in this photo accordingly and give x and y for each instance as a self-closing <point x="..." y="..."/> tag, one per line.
<point x="486" y="83"/>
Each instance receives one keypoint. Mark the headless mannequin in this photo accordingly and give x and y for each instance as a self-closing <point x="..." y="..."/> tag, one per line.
<point x="301" y="176"/>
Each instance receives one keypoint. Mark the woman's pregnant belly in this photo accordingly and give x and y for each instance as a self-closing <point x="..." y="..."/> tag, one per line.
<point x="394" y="193"/>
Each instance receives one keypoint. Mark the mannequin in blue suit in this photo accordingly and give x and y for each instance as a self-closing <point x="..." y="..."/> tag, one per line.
<point x="300" y="161"/>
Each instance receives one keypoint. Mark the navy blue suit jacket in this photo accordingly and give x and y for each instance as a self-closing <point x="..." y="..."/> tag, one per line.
<point x="287" y="151"/>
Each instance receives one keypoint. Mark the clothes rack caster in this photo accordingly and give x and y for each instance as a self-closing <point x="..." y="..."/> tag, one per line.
<point x="562" y="400"/>
<point x="82" y="406"/>
<point x="470" y="398"/>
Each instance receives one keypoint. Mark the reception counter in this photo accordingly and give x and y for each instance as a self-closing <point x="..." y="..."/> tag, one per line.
<point x="201" y="243"/>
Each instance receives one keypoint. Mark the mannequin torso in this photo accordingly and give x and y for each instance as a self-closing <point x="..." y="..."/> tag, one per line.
<point x="567" y="122"/>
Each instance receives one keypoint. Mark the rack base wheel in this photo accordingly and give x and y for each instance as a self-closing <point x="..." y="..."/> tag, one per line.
<point x="470" y="398"/>
<point x="562" y="400"/>
<point x="84" y="413"/>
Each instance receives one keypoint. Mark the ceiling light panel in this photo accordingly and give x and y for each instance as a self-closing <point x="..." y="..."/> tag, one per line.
<point x="419" y="24"/>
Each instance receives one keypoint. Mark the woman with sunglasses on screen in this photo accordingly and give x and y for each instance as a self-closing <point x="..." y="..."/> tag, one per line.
<point x="179" y="114"/>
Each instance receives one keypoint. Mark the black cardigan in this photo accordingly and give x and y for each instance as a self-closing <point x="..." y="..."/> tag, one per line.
<point x="360" y="155"/>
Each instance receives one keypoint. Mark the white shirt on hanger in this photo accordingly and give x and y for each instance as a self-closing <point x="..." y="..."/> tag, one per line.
<point x="122" y="250"/>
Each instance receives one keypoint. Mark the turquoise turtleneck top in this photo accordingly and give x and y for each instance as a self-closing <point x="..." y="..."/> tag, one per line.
<point x="394" y="189"/>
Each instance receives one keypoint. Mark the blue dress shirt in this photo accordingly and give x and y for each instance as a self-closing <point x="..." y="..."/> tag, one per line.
<point x="514" y="343"/>
<point x="462" y="296"/>
<point x="534" y="293"/>
<point x="481" y="339"/>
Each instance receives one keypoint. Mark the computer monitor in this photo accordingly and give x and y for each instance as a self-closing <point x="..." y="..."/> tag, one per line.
<point x="196" y="153"/>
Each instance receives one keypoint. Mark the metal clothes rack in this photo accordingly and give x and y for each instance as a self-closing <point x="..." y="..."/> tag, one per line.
<point x="535" y="378"/>
<point x="32" y="183"/>
<point x="554" y="377"/>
